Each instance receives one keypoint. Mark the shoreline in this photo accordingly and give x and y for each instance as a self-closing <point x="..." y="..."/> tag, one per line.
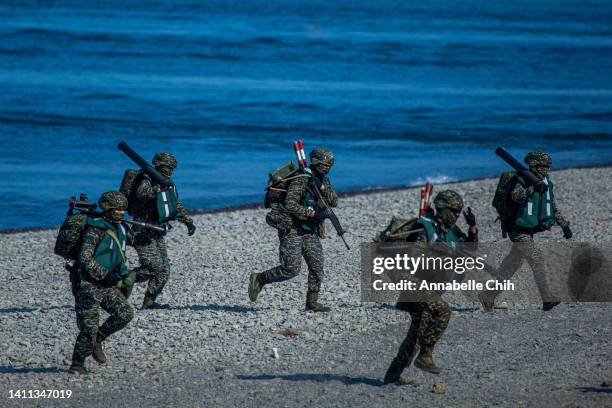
<point x="349" y="193"/>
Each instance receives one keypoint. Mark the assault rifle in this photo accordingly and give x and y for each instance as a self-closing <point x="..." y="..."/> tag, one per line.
<point x="85" y="207"/>
<point x="151" y="171"/>
<point x="522" y="171"/>
<point x="314" y="187"/>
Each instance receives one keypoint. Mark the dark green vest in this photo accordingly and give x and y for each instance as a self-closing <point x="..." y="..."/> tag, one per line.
<point x="435" y="233"/>
<point x="110" y="252"/>
<point x="167" y="201"/>
<point x="538" y="211"/>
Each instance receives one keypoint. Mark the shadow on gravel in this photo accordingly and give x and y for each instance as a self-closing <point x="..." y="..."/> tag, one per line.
<point x="604" y="390"/>
<point x="32" y="309"/>
<point x="26" y="370"/>
<point x="215" y="308"/>
<point x="315" y="377"/>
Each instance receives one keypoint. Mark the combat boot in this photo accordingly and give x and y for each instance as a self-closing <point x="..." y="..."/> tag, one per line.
<point x="98" y="353"/>
<point x="394" y="372"/>
<point x="312" y="304"/>
<point x="77" y="367"/>
<point x="425" y="361"/>
<point x="150" y="303"/>
<point x="546" y="306"/>
<point x="486" y="301"/>
<point x="255" y="286"/>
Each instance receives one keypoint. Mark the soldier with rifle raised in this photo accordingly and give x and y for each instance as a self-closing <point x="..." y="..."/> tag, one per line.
<point x="299" y="214"/>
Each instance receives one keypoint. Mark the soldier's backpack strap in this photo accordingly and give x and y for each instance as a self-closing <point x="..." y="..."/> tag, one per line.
<point x="430" y="228"/>
<point x="120" y="245"/>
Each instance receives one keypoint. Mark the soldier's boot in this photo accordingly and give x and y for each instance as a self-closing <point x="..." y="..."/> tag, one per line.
<point x="312" y="304"/>
<point x="394" y="372"/>
<point x="546" y="306"/>
<point x="255" y="286"/>
<point x="150" y="303"/>
<point x="487" y="301"/>
<point x="425" y="360"/>
<point x="403" y="306"/>
<point x="98" y="352"/>
<point x="77" y="367"/>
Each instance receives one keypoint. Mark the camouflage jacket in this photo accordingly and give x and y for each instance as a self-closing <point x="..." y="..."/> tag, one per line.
<point x="89" y="269"/>
<point x="519" y="196"/>
<point x="297" y="194"/>
<point x="146" y="194"/>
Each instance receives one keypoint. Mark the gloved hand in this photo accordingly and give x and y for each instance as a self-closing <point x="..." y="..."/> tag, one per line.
<point x="567" y="232"/>
<point x="470" y="217"/>
<point x="190" y="228"/>
<point x="310" y="212"/>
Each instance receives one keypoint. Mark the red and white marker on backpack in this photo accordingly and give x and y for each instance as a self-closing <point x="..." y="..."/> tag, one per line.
<point x="299" y="152"/>
<point x="426" y="192"/>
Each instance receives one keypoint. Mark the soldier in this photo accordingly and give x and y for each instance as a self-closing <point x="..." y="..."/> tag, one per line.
<point x="301" y="237"/>
<point x="429" y="319"/>
<point x="103" y="276"/>
<point x="150" y="244"/>
<point x="534" y="212"/>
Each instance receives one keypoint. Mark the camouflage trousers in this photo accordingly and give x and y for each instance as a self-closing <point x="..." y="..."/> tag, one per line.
<point x="154" y="263"/>
<point x="88" y="301"/>
<point x="525" y="248"/>
<point x="428" y="322"/>
<point x="295" y="244"/>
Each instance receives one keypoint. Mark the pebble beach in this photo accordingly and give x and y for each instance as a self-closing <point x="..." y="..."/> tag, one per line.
<point x="213" y="347"/>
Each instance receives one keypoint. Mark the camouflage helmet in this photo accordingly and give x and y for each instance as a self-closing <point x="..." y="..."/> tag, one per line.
<point x="321" y="155"/>
<point x="111" y="200"/>
<point x="164" y="159"/>
<point x="448" y="199"/>
<point x="538" y="157"/>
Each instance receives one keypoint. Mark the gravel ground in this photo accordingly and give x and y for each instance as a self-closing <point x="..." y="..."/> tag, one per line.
<point x="214" y="348"/>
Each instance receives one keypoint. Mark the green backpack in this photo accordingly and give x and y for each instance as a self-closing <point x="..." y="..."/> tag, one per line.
<point x="68" y="242"/>
<point x="276" y="192"/>
<point x="129" y="185"/>
<point x="399" y="229"/>
<point x="278" y="183"/>
<point x="502" y="200"/>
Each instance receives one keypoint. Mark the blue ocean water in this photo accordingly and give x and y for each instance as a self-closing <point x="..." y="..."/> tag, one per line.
<point x="400" y="91"/>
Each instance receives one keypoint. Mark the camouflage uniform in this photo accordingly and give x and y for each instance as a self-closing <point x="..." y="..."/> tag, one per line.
<point x="98" y="287"/>
<point x="150" y="244"/>
<point x="526" y="249"/>
<point x="429" y="319"/>
<point x="301" y="239"/>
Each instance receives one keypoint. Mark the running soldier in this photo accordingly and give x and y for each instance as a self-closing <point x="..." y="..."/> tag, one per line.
<point x="301" y="236"/>
<point x="525" y="212"/>
<point x="429" y="319"/>
<point x="103" y="274"/>
<point x="156" y="205"/>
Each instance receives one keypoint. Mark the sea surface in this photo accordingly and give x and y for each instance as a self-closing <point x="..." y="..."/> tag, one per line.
<point x="401" y="91"/>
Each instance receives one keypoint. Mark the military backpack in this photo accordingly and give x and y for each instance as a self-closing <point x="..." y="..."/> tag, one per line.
<point x="129" y="185"/>
<point x="68" y="242"/>
<point x="502" y="200"/>
<point x="399" y="229"/>
<point x="276" y="192"/>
